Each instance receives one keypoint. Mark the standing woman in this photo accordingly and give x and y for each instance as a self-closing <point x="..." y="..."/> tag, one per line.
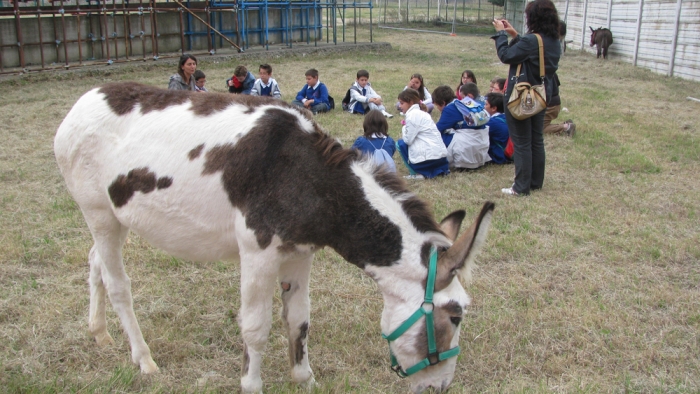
<point x="527" y="135"/>
<point x="184" y="79"/>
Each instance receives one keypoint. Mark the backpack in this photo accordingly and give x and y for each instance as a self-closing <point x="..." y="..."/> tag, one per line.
<point x="508" y="150"/>
<point x="381" y="157"/>
<point x="473" y="112"/>
<point x="331" y="102"/>
<point x="346" y="101"/>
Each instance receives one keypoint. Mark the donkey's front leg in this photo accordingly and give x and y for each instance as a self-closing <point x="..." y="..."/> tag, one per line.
<point x="258" y="275"/>
<point x="294" y="281"/>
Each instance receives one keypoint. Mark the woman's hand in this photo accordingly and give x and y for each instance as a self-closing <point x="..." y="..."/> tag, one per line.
<point x="502" y="24"/>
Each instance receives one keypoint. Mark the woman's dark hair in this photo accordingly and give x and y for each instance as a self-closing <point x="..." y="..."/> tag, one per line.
<point x="183" y="59"/>
<point x="421" y="88"/>
<point x="543" y="18"/>
<point x="375" y="123"/>
<point x="443" y="95"/>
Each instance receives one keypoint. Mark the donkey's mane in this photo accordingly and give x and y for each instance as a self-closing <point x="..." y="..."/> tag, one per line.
<point x="416" y="209"/>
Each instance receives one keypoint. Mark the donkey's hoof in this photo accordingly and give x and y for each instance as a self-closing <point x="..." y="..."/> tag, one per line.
<point x="148" y="366"/>
<point x="308" y="385"/>
<point x="104" y="339"/>
<point x="251" y="385"/>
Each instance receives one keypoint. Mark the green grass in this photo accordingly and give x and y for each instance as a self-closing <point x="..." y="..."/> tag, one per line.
<point x="587" y="286"/>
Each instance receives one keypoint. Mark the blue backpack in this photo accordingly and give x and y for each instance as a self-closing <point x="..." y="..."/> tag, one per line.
<point x="381" y="157"/>
<point x="473" y="112"/>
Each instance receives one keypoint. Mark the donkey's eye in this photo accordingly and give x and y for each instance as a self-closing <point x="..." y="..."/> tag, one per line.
<point x="456" y="320"/>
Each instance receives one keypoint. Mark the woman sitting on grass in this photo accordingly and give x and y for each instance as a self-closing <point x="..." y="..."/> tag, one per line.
<point x="421" y="148"/>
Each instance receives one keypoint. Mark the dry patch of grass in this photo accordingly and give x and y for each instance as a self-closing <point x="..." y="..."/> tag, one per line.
<point x="589" y="285"/>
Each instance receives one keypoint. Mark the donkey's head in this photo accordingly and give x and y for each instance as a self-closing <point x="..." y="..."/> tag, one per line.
<point x="424" y="301"/>
<point x="593" y="34"/>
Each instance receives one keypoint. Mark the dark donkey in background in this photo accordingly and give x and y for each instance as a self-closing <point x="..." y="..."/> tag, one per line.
<point x="602" y="38"/>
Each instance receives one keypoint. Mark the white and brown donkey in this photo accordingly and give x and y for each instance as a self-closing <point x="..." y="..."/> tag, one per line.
<point x="211" y="177"/>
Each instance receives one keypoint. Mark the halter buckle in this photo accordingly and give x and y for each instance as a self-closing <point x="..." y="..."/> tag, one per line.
<point x="433" y="358"/>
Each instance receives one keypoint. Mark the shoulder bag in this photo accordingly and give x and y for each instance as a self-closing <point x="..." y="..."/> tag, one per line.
<point x="527" y="100"/>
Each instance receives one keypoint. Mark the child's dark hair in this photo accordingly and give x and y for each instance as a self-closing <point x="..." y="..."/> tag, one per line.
<point x="240" y="71"/>
<point x="495" y="100"/>
<point x="199" y="74"/>
<point x="469" y="88"/>
<point x="375" y="123"/>
<point x="470" y="74"/>
<point x="363" y="73"/>
<point x="411" y="96"/>
<point x="312" y="72"/>
<point x="443" y="95"/>
<point x="421" y="88"/>
<point x="501" y="82"/>
<point x="183" y="59"/>
<point x="266" y="67"/>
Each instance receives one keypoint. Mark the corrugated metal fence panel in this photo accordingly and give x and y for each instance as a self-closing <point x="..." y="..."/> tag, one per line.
<point x="655" y="44"/>
<point x="658" y="22"/>
<point x="623" y="25"/>
<point x="686" y="63"/>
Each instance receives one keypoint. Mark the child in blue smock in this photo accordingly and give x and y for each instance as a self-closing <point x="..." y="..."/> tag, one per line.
<point x="376" y="137"/>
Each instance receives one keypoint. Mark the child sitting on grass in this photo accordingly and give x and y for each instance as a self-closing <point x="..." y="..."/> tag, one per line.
<point x="467" y="76"/>
<point x="498" y="129"/>
<point x="266" y="85"/>
<point x="363" y="98"/>
<point x="376" y="137"/>
<point x="314" y="95"/>
<point x="421" y="147"/>
<point x="241" y="82"/>
<point x="416" y="83"/>
<point x="199" y="80"/>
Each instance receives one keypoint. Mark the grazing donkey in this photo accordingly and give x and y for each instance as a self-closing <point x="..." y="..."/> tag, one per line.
<point x="229" y="177"/>
<point x="602" y="38"/>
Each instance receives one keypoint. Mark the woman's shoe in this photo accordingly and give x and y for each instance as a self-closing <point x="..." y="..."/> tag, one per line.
<point x="509" y="191"/>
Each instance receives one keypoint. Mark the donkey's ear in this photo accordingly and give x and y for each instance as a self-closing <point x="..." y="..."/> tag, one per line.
<point x="591" y="28"/>
<point x="451" y="224"/>
<point x="458" y="259"/>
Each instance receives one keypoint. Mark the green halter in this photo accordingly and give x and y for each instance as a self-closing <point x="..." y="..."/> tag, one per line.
<point x="426" y="309"/>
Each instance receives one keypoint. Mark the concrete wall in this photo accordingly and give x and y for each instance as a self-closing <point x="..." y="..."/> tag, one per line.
<point x="92" y="35"/>
<point x="660" y="35"/>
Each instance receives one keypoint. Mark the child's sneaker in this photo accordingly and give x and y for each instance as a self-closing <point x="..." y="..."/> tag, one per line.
<point x="417" y="177"/>
<point x="388" y="115"/>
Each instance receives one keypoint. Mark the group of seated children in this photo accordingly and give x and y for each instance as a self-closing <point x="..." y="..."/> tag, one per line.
<point x="470" y="132"/>
<point x="244" y="82"/>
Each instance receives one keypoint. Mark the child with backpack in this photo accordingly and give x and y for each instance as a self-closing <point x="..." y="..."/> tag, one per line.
<point x="463" y="127"/>
<point x="376" y="141"/>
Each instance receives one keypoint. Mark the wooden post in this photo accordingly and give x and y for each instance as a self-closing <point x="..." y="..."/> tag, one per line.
<point x="583" y="26"/>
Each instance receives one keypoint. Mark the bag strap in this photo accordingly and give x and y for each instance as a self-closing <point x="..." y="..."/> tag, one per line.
<point x="381" y="147"/>
<point x="540" y="49"/>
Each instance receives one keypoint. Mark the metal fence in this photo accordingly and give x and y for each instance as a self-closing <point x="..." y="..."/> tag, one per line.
<point x="48" y="34"/>
<point x="436" y="11"/>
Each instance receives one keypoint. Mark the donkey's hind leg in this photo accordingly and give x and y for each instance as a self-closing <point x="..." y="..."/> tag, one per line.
<point x="294" y="281"/>
<point x="97" y="321"/>
<point x="107" y="273"/>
